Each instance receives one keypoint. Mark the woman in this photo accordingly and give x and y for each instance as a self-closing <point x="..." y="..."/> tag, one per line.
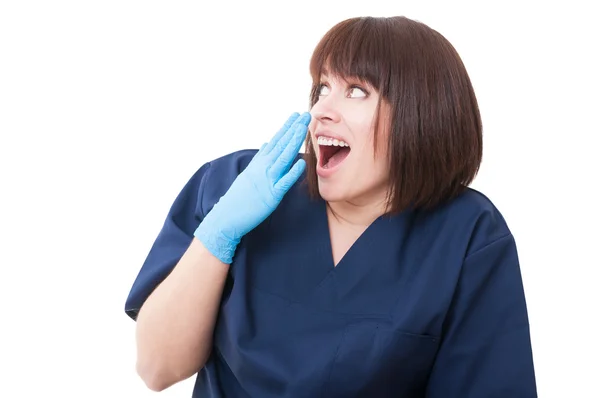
<point x="365" y="267"/>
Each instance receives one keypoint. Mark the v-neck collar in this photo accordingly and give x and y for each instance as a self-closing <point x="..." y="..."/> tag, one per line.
<point x="364" y="236"/>
<point x="301" y="225"/>
<point x="374" y="247"/>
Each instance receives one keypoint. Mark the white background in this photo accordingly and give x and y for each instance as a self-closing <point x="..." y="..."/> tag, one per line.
<point x="108" y="107"/>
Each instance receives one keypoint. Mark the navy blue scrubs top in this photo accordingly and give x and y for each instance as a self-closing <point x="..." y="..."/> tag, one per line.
<point x="424" y="304"/>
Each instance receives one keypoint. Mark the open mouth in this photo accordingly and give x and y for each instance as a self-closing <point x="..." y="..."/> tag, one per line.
<point x="332" y="155"/>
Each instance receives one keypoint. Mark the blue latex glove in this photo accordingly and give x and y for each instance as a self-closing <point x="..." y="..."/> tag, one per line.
<point x="256" y="192"/>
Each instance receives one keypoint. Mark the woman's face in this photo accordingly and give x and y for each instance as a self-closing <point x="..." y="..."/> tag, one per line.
<point x="342" y="134"/>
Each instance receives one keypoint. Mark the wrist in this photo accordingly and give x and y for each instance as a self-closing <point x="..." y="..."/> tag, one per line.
<point x="215" y="240"/>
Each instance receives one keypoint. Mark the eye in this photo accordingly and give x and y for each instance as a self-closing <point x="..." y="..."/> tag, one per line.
<point x="320" y="89"/>
<point x="359" y="91"/>
<point x="354" y="91"/>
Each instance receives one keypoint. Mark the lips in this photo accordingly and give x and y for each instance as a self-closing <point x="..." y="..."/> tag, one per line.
<point x="332" y="153"/>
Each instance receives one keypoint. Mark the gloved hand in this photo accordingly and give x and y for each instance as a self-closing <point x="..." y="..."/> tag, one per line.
<point x="256" y="192"/>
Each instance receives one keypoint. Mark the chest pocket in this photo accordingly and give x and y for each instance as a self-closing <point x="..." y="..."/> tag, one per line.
<point x="374" y="360"/>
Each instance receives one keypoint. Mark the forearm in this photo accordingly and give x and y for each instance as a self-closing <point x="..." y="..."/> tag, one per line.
<point x="175" y="325"/>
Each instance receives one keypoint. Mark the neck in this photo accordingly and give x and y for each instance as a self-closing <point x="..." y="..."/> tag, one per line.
<point x="356" y="215"/>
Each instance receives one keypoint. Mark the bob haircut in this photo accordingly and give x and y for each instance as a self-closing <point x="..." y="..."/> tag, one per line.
<point x="435" y="140"/>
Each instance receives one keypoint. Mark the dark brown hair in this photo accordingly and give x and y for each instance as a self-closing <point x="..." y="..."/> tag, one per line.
<point x="435" y="140"/>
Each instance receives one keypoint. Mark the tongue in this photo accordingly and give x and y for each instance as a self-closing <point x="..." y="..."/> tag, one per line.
<point x="337" y="157"/>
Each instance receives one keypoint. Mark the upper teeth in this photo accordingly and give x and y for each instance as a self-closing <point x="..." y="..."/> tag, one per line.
<point x="331" y="141"/>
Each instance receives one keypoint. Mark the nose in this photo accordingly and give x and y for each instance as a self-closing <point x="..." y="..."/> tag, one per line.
<point x="325" y="110"/>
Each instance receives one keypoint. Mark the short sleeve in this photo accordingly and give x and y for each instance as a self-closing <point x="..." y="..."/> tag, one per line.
<point x="172" y="241"/>
<point x="486" y="348"/>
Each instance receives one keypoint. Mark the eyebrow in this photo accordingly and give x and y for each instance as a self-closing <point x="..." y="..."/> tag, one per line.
<point x="348" y="80"/>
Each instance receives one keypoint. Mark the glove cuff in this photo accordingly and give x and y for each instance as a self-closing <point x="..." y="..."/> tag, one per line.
<point x="221" y="246"/>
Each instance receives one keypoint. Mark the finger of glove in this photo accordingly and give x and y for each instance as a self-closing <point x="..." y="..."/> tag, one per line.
<point x="290" y="137"/>
<point x="286" y="182"/>
<point x="284" y="129"/>
<point x="282" y="164"/>
<point x="261" y="150"/>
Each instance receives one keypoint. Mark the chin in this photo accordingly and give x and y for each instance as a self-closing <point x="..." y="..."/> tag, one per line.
<point x="331" y="192"/>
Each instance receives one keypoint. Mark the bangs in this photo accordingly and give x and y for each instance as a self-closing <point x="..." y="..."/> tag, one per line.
<point x="355" y="49"/>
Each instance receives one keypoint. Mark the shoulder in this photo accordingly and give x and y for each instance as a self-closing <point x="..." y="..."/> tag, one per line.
<point x="231" y="163"/>
<point x="472" y="218"/>
<point x="483" y="221"/>
<point x="213" y="178"/>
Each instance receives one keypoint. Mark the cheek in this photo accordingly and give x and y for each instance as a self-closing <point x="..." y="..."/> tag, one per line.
<point x="311" y="130"/>
<point x="371" y="162"/>
<point x="365" y="142"/>
<point x="361" y="123"/>
<point x="313" y="122"/>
